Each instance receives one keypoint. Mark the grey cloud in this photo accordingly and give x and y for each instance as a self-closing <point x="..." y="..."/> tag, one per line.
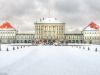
<point x="94" y="5"/>
<point x="94" y="8"/>
<point x="67" y="6"/>
<point x="18" y="12"/>
<point x="22" y="13"/>
<point x="16" y="8"/>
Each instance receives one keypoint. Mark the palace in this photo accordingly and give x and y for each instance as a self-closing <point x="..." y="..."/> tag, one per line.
<point x="8" y="35"/>
<point x="50" y="30"/>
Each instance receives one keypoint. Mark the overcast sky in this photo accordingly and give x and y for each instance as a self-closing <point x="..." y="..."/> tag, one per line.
<point x="75" y="13"/>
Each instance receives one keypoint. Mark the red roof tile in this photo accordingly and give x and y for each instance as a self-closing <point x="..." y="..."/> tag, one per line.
<point x="92" y="26"/>
<point x="6" y="25"/>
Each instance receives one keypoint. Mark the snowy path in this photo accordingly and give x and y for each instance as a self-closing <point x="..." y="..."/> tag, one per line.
<point x="50" y="60"/>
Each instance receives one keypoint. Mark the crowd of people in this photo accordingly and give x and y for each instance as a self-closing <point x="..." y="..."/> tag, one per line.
<point x="49" y="42"/>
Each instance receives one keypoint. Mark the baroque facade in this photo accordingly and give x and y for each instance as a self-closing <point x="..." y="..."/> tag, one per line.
<point x="50" y="29"/>
<point x="8" y="35"/>
<point x="91" y="33"/>
<point x="24" y="38"/>
<point x="74" y="37"/>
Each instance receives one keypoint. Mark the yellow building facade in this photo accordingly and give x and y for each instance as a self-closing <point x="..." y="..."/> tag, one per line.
<point x="49" y="29"/>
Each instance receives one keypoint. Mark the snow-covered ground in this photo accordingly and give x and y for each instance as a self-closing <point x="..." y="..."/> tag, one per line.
<point x="50" y="60"/>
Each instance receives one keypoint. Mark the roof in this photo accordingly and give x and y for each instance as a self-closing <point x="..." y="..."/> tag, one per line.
<point x="6" y="25"/>
<point x="49" y="20"/>
<point x="92" y="26"/>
